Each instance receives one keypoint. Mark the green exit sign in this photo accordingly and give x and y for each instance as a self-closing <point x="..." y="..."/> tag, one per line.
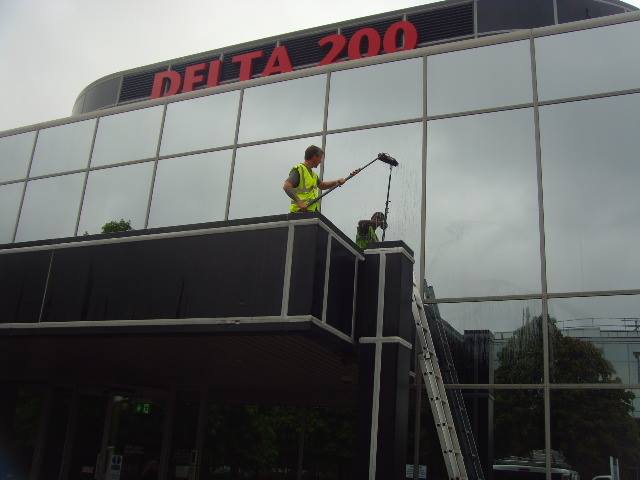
<point x="143" y="408"/>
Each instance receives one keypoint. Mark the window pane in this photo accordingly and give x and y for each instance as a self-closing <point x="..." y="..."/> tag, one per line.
<point x="15" y="152"/>
<point x="479" y="78"/>
<point x="588" y="61"/>
<point x="379" y="93"/>
<point x="588" y="427"/>
<point x="367" y="192"/>
<point x="9" y="204"/>
<point x="200" y="123"/>
<point x="116" y="193"/>
<point x="594" y="339"/>
<point x="63" y="148"/>
<point x="50" y="208"/>
<point x="482" y="235"/>
<point x="191" y="189"/>
<point x="283" y="109"/>
<point x="492" y="342"/>
<point x="127" y="136"/>
<point x="590" y="178"/>
<point x="259" y="174"/>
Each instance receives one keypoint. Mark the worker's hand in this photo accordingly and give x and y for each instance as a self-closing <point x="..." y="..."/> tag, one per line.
<point x="355" y="172"/>
<point x="302" y="205"/>
<point x="341" y="181"/>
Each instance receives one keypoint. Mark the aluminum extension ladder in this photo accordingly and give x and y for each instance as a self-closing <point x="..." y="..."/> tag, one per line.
<point x="453" y="457"/>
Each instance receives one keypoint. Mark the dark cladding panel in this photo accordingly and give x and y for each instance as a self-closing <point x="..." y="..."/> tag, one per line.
<point x="307" y="271"/>
<point x="305" y="51"/>
<point x="367" y="297"/>
<point x="138" y="86"/>
<point x="238" y="274"/>
<point x="231" y="69"/>
<point x="498" y="15"/>
<point x="574" y="10"/>
<point x="22" y="283"/>
<point x="340" y="294"/>
<point x="379" y="26"/>
<point x="398" y="317"/>
<point x="435" y="25"/>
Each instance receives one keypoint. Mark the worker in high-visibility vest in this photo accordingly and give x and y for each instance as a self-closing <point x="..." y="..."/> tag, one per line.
<point x="303" y="184"/>
<point x="366" y="232"/>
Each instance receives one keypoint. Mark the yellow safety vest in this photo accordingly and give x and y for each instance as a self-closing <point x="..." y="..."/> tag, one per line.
<point x="307" y="189"/>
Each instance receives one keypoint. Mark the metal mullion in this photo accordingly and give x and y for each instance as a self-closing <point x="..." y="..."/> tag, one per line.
<point x="86" y="177"/>
<point x="46" y="286"/>
<point x="466" y="113"/>
<point x="233" y="155"/>
<point x="155" y="167"/>
<point x="555" y="12"/>
<point x="195" y="152"/>
<point x="325" y="121"/>
<point x="591" y="96"/>
<point x="280" y="139"/>
<point x="24" y="187"/>
<point x="375" y="125"/>
<point x="286" y="287"/>
<point x="497" y="298"/>
<point x="543" y="261"/>
<point x="355" y="296"/>
<point x="423" y="187"/>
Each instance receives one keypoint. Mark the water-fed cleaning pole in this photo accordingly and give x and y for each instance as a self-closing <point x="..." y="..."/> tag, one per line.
<point x="383" y="157"/>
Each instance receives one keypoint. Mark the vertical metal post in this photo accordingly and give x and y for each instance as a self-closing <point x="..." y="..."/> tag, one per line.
<point x="86" y="176"/>
<point x="70" y="434"/>
<point x="155" y="166"/>
<point x="233" y="155"/>
<point x="41" y="439"/>
<point x="327" y="270"/>
<point x="287" y="271"/>
<point x="167" y="436"/>
<point x="423" y="189"/>
<point x="418" y="413"/>
<point x="325" y="121"/>
<point x="24" y="187"/>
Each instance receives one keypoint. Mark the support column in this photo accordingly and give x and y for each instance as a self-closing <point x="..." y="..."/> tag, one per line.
<point x="384" y="334"/>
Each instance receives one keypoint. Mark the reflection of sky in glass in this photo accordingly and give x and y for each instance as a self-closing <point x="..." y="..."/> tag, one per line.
<point x="482" y="205"/>
<point x="592" y="202"/>
<point x="589" y="61"/>
<point x="190" y="189"/>
<point x="504" y="316"/>
<point x="283" y="109"/>
<point x="375" y="94"/>
<point x="200" y="123"/>
<point x="485" y="77"/>
<point x="127" y="136"/>
<point x="366" y="193"/>
<point x="50" y="207"/>
<point x="62" y="148"/>
<point x="15" y="152"/>
<point x="259" y="174"/>
<point x="607" y="313"/>
<point x="9" y="203"/>
<point x="116" y="193"/>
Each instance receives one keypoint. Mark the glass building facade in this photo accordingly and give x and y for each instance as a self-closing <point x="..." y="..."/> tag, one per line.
<point x="517" y="189"/>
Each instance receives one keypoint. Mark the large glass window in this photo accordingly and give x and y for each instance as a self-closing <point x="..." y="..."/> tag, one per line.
<point x="482" y="235"/>
<point x="492" y="342"/>
<point x="116" y="193"/>
<point x="591" y="197"/>
<point x="191" y="189"/>
<point x="283" y="109"/>
<point x="375" y="94"/>
<point x="366" y="193"/>
<point x="9" y="204"/>
<point x="50" y="207"/>
<point x="15" y="152"/>
<point x="479" y="78"/>
<point x="259" y="174"/>
<point x="63" y="148"/>
<point x="589" y="61"/>
<point x="594" y="339"/>
<point x="590" y="428"/>
<point x="127" y="136"/>
<point x="200" y="123"/>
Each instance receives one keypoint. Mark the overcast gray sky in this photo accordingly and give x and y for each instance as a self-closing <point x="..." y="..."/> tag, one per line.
<point x="51" y="49"/>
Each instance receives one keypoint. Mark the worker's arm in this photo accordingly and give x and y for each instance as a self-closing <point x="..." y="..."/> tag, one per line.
<point x="335" y="183"/>
<point x="289" y="189"/>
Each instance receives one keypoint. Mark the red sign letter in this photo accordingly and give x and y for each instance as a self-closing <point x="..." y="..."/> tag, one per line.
<point x="214" y="73"/>
<point x="390" y="41"/>
<point x="193" y="75"/>
<point x="279" y="62"/>
<point x="159" y="82"/>
<point x="246" y="63"/>
<point x="355" y="44"/>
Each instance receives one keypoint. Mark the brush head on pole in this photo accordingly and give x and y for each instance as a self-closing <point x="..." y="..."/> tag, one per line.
<point x="386" y="158"/>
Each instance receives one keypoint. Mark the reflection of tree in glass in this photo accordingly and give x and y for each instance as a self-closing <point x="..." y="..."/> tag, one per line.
<point x="587" y="426"/>
<point x="113" y="226"/>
